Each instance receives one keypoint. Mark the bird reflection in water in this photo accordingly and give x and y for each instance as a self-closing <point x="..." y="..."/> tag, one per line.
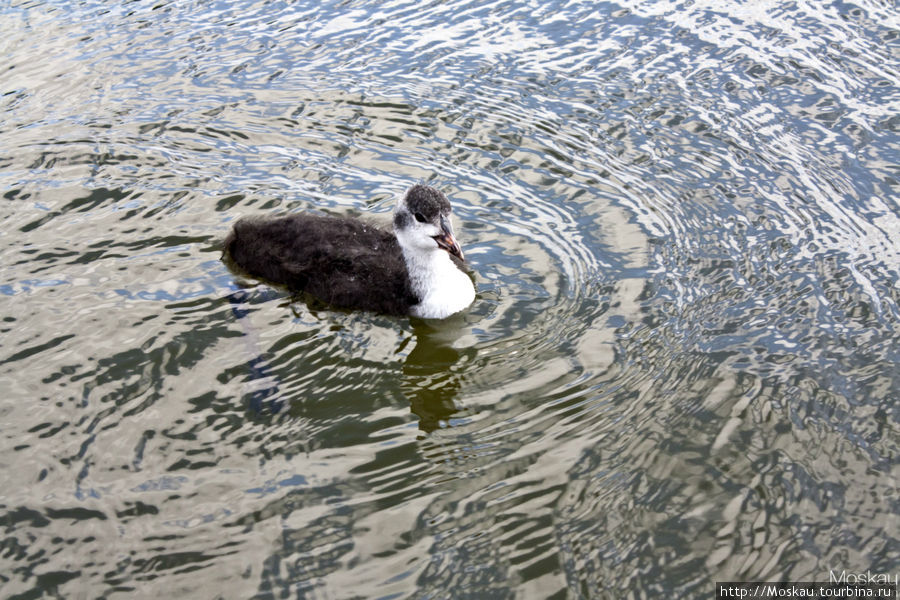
<point x="431" y="380"/>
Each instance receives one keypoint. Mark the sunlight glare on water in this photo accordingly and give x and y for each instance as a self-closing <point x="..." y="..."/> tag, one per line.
<point x="681" y="366"/>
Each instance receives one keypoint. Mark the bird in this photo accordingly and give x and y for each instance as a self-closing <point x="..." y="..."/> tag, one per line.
<point x="416" y="269"/>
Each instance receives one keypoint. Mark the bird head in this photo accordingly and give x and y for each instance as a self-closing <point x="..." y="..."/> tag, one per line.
<point x="422" y="221"/>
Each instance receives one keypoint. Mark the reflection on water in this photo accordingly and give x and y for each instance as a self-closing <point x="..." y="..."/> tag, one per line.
<point x="681" y="366"/>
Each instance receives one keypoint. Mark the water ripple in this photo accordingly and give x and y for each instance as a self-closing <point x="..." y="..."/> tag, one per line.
<point x="682" y="220"/>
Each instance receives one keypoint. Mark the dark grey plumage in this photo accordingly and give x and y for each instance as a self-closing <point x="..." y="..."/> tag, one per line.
<point x="346" y="263"/>
<point x="424" y="203"/>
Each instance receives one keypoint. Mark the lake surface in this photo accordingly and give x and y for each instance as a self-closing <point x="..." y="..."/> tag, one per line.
<point x="682" y="367"/>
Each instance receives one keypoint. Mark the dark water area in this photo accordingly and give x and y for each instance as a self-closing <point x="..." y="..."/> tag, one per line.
<point x="682" y="366"/>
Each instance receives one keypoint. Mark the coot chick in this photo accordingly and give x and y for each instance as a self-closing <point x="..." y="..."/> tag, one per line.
<point x="414" y="270"/>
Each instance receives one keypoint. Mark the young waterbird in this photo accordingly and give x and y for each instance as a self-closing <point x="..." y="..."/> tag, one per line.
<point x="414" y="270"/>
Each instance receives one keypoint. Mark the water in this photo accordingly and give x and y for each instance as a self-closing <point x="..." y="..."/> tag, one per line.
<point x="682" y="366"/>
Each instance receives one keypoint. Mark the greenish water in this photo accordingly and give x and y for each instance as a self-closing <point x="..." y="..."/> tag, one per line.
<point x="682" y="366"/>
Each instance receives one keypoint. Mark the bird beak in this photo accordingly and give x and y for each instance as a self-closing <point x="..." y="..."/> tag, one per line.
<point x="446" y="241"/>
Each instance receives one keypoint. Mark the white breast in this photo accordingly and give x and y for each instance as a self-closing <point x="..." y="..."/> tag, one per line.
<point x="442" y="287"/>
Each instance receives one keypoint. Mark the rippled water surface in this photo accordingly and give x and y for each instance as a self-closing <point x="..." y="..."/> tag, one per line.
<point x="682" y="366"/>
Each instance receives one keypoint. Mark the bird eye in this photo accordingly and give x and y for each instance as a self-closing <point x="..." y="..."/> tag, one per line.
<point x="420" y="217"/>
